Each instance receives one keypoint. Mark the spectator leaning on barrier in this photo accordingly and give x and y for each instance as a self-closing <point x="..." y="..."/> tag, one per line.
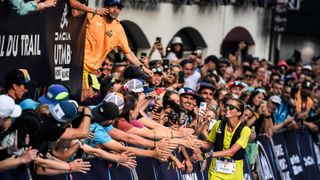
<point x="16" y="82"/>
<point x="103" y="117"/>
<point x="106" y="33"/>
<point x="8" y="109"/>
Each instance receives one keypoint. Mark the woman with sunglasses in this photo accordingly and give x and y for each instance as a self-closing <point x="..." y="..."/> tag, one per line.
<point x="228" y="138"/>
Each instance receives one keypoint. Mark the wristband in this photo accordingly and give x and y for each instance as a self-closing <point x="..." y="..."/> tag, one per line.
<point x="80" y="144"/>
<point x="94" y="11"/>
<point x="141" y="66"/>
<point x="87" y="115"/>
<point x="210" y="154"/>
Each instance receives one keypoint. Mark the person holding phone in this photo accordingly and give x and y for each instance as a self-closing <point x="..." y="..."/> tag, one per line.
<point x="103" y="34"/>
<point x="175" y="52"/>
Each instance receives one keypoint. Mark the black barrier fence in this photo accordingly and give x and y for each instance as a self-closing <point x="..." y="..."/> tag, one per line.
<point x="288" y="155"/>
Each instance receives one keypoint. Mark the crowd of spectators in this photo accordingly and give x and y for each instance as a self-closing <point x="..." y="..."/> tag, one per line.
<point x="170" y="102"/>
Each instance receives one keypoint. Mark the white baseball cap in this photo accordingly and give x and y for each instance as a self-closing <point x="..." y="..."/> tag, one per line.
<point x="134" y="85"/>
<point x="115" y="98"/>
<point x="275" y="99"/>
<point x="8" y="108"/>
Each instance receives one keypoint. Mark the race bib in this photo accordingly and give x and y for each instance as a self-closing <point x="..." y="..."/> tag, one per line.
<point x="226" y="166"/>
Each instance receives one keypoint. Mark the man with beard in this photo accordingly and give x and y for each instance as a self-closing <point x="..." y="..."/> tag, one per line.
<point x="303" y="104"/>
<point x="285" y="111"/>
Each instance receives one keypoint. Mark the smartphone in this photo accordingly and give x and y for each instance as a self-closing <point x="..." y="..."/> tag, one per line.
<point x="181" y="77"/>
<point x="158" y="39"/>
<point x="202" y="107"/>
<point x="165" y="64"/>
<point x="90" y="139"/>
<point x="159" y="109"/>
<point x="143" y="54"/>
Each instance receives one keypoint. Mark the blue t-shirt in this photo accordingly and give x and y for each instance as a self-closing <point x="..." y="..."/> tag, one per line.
<point x="100" y="134"/>
<point x="282" y="112"/>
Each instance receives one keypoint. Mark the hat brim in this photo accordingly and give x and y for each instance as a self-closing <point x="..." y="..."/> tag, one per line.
<point x="206" y="87"/>
<point x="54" y="115"/>
<point x="44" y="100"/>
<point x="138" y="90"/>
<point x="16" y="112"/>
<point x="197" y="97"/>
<point x="96" y="116"/>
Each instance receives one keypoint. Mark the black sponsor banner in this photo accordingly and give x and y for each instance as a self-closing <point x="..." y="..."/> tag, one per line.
<point x="266" y="162"/>
<point x="281" y="153"/>
<point x="50" y="44"/>
<point x="247" y="173"/>
<point x="121" y="173"/>
<point x="164" y="172"/>
<point x="14" y="174"/>
<point x="145" y="170"/>
<point x="306" y="148"/>
<point x="316" y="150"/>
<point x="291" y="140"/>
<point x="99" y="170"/>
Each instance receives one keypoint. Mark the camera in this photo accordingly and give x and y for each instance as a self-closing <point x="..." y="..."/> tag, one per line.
<point x="165" y="64"/>
<point x="158" y="39"/>
<point x="181" y="77"/>
<point x="143" y="54"/>
<point x="173" y="117"/>
<point x="156" y="110"/>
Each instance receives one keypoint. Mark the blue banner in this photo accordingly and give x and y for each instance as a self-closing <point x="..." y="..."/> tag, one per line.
<point x="266" y="162"/>
<point x="247" y="173"/>
<point x="308" y="156"/>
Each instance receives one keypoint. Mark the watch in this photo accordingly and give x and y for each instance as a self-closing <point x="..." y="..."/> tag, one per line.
<point x="141" y="67"/>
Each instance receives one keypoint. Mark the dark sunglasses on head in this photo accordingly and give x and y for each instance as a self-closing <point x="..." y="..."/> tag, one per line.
<point x="230" y="107"/>
<point x="157" y="69"/>
<point x="260" y="90"/>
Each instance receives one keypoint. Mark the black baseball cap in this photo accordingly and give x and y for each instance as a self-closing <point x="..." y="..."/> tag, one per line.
<point x="134" y="72"/>
<point x="105" y="111"/>
<point x="17" y="76"/>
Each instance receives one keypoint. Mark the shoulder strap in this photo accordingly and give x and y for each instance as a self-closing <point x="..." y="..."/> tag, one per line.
<point x="218" y="145"/>
<point x="237" y="134"/>
<point x="241" y="153"/>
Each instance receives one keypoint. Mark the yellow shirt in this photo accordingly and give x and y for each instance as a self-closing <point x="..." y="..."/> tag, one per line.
<point x="242" y="141"/>
<point x="101" y="38"/>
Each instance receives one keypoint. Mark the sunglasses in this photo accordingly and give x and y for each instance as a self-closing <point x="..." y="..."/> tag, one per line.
<point x="230" y="107"/>
<point x="157" y="69"/>
<point x="248" y="76"/>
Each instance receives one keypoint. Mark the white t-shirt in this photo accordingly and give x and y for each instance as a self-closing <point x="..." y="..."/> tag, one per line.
<point x="192" y="81"/>
<point x="172" y="56"/>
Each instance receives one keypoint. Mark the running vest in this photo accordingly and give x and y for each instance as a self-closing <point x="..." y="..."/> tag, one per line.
<point x="218" y="145"/>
